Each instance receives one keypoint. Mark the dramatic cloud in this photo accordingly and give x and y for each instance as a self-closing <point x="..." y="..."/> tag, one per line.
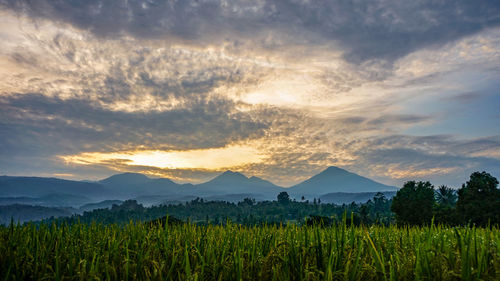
<point x="277" y="89"/>
<point x="366" y="29"/>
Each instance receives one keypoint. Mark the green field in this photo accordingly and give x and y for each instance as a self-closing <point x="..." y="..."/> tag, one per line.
<point x="234" y="252"/>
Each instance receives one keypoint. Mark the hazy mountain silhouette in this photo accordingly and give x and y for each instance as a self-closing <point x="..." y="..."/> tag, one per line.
<point x="128" y="185"/>
<point x="231" y="182"/>
<point x="125" y="179"/>
<point x="51" y="200"/>
<point x="106" y="204"/>
<point x="24" y="213"/>
<point x="42" y="187"/>
<point x="335" y="179"/>
<point x="228" y="186"/>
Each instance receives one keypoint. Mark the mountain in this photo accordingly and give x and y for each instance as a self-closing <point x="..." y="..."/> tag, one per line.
<point x="125" y="179"/>
<point x="164" y="186"/>
<point x="50" y="187"/>
<point x="335" y="179"/>
<point x="128" y="185"/>
<point x="234" y="183"/>
<point x="228" y="186"/>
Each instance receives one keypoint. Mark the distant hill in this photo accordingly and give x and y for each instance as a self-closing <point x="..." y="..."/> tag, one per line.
<point x="231" y="182"/>
<point x="40" y="187"/>
<point x="228" y="186"/>
<point x="335" y="179"/>
<point x="106" y="204"/>
<point x="129" y="185"/>
<point x="125" y="179"/>
<point x="23" y="213"/>
<point x="50" y="200"/>
<point x="346" y="198"/>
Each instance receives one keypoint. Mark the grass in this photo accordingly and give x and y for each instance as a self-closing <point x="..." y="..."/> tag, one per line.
<point x="234" y="252"/>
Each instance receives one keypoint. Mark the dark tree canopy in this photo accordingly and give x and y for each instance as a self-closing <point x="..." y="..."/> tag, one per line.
<point x="283" y="198"/>
<point x="247" y="201"/>
<point x="479" y="200"/>
<point x="444" y="211"/>
<point x="446" y="197"/>
<point x="413" y="204"/>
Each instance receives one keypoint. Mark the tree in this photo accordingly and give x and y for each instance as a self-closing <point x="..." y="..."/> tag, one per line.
<point x="247" y="201"/>
<point x="283" y="198"/>
<point x="127" y="205"/>
<point x="444" y="211"/>
<point x="413" y="203"/>
<point x="379" y="202"/>
<point x="479" y="200"/>
<point x="445" y="196"/>
<point x="363" y="212"/>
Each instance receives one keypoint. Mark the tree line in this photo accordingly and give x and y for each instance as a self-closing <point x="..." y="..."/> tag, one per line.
<point x="284" y="210"/>
<point x="477" y="202"/>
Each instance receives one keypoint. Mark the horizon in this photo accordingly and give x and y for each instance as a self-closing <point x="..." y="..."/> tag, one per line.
<point x="179" y="182"/>
<point x="390" y="91"/>
<point x="244" y="175"/>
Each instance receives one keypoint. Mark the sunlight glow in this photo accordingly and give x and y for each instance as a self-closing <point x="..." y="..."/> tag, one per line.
<point x="294" y="90"/>
<point x="212" y="158"/>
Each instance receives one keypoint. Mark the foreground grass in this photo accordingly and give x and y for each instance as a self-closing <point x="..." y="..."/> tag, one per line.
<point x="232" y="252"/>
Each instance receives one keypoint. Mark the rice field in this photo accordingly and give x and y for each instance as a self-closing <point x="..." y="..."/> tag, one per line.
<point x="232" y="252"/>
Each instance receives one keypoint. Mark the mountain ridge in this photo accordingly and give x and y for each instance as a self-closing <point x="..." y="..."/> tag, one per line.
<point x="134" y="178"/>
<point x="229" y="183"/>
<point x="344" y="180"/>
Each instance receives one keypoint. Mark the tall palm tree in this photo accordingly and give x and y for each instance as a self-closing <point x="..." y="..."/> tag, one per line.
<point x="445" y="196"/>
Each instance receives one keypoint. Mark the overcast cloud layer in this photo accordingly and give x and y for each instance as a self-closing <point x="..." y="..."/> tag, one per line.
<point x="393" y="90"/>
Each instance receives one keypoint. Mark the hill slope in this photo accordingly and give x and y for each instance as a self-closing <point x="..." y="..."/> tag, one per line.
<point x="43" y="187"/>
<point x="236" y="183"/>
<point x="335" y="179"/>
<point x="229" y="185"/>
<point x="128" y="185"/>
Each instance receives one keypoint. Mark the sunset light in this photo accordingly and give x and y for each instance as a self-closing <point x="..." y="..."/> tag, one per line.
<point x="213" y="158"/>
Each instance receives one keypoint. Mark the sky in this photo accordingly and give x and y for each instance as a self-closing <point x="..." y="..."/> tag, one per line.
<point x="392" y="90"/>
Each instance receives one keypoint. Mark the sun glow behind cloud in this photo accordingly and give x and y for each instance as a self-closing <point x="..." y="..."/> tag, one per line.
<point x="213" y="158"/>
<point x="307" y="87"/>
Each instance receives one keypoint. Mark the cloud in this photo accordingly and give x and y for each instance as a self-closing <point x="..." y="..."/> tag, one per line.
<point x="212" y="158"/>
<point x="295" y="145"/>
<point x="385" y="30"/>
<point x="308" y="84"/>
<point x="408" y="164"/>
<point x="395" y="119"/>
<point x="68" y="126"/>
<point x="439" y="158"/>
<point x="465" y="98"/>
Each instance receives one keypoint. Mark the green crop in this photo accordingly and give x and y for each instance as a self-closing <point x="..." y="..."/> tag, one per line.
<point x="140" y="251"/>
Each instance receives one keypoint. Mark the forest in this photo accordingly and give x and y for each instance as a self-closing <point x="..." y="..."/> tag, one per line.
<point x="423" y="233"/>
<point x="477" y="202"/>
